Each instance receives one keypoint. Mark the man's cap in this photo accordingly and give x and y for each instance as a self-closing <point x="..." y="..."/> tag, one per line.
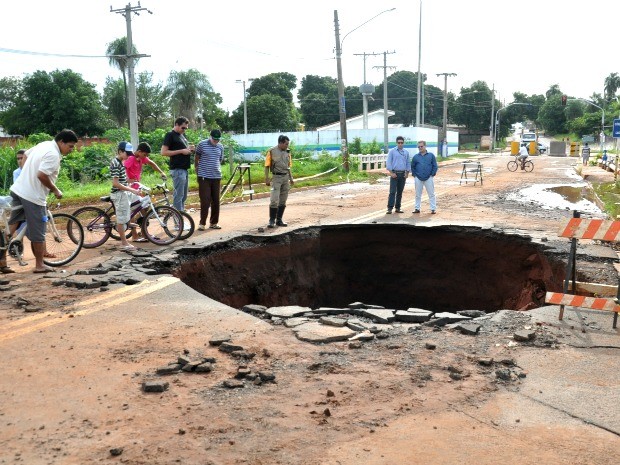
<point x="216" y="134"/>
<point x="125" y="147"/>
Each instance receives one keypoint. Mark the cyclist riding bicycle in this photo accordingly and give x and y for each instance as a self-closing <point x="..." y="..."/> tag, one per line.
<point x="523" y="154"/>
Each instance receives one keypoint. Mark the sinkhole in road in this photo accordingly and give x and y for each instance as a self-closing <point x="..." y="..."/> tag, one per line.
<point x="443" y="268"/>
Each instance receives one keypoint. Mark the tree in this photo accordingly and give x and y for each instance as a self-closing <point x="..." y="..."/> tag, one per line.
<point x="117" y="57"/>
<point x="321" y="85"/>
<point x="267" y="113"/>
<point x="472" y="107"/>
<point x="280" y="84"/>
<point x="318" y="101"/>
<point x="612" y="84"/>
<point x="187" y="91"/>
<point x="115" y="101"/>
<point x="553" y="90"/>
<point x="552" y="116"/>
<point x="152" y="100"/>
<point x="53" y="101"/>
<point x="319" y="109"/>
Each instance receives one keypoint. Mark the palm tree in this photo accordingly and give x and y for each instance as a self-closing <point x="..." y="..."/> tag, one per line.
<point x="612" y="84"/>
<point x="187" y="90"/>
<point x="117" y="57"/>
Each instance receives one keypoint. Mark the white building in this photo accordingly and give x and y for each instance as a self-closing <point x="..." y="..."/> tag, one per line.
<point x="375" y="121"/>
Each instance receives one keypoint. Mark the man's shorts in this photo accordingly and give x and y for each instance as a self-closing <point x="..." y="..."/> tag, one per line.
<point x="33" y="215"/>
<point x="121" y="205"/>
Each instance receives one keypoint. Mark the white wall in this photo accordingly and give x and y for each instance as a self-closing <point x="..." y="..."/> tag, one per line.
<point x="254" y="145"/>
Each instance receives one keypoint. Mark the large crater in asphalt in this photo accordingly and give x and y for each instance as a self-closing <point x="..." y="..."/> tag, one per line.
<point x="444" y="268"/>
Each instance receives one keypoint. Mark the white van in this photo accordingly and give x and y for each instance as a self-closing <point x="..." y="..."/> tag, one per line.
<point x="528" y="137"/>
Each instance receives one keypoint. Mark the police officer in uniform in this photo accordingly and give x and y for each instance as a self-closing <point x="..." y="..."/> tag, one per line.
<point x="278" y="165"/>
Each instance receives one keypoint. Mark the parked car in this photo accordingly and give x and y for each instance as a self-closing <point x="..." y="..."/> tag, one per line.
<point x="542" y="148"/>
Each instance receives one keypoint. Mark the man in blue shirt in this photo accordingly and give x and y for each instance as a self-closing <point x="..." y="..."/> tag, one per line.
<point x="398" y="167"/>
<point x="208" y="158"/>
<point x="424" y="169"/>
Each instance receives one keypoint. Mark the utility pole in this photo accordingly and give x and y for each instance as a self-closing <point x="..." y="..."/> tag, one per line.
<point x="444" y="130"/>
<point x="492" y="117"/>
<point x="341" y="102"/>
<point x="417" y="107"/>
<point x="245" y="105"/>
<point x="131" y="79"/>
<point x="386" y="137"/>
<point x="366" y="90"/>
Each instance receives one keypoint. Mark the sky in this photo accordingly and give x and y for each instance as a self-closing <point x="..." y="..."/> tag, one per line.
<point x="525" y="46"/>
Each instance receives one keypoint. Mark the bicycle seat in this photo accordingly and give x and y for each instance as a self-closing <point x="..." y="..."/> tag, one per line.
<point x="105" y="198"/>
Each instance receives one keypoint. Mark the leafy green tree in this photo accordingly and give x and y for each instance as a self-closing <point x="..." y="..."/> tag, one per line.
<point x="53" y="101"/>
<point x="552" y="115"/>
<point x="318" y="101"/>
<point x="153" y="102"/>
<point x="10" y="90"/>
<point x="212" y="116"/>
<point x="115" y="100"/>
<point x="267" y="113"/>
<point x="321" y="85"/>
<point x="587" y="124"/>
<point x="117" y="57"/>
<point x="553" y="90"/>
<point x="281" y="84"/>
<point x="319" y="109"/>
<point x="612" y="84"/>
<point x="187" y="91"/>
<point x="472" y="107"/>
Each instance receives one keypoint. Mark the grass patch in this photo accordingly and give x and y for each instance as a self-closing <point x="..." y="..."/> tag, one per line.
<point x="609" y="193"/>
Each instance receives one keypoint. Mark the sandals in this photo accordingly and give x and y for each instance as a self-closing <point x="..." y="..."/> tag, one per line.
<point x="141" y="239"/>
<point x="6" y="269"/>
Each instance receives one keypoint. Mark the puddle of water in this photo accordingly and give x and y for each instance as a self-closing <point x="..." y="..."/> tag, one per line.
<point x="562" y="197"/>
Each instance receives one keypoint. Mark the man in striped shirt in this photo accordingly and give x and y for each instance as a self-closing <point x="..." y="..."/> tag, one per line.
<point x="207" y="161"/>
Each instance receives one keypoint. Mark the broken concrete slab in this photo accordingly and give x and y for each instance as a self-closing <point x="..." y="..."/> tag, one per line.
<point x="292" y="322"/>
<point x="331" y="311"/>
<point x="287" y="311"/>
<point x="378" y="315"/>
<point x="317" y="333"/>
<point x="333" y="321"/>
<point x="412" y="316"/>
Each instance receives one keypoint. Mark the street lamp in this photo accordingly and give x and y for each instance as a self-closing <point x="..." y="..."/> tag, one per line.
<point x="602" y="117"/>
<point x="497" y="116"/>
<point x="341" y="100"/>
<point x="245" y="106"/>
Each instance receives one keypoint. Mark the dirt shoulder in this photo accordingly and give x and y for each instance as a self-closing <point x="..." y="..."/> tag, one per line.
<point x="74" y="369"/>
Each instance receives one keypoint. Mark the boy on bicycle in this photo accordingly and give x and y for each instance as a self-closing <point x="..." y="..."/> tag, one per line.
<point x="120" y="193"/>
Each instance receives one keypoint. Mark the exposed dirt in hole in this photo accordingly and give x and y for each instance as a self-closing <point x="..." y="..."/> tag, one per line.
<point x="396" y="266"/>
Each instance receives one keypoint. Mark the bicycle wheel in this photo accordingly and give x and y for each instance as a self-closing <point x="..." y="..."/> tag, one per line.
<point x="63" y="239"/>
<point x="188" y="221"/>
<point x="160" y="227"/>
<point x="97" y="226"/>
<point x="529" y="166"/>
<point x="512" y="165"/>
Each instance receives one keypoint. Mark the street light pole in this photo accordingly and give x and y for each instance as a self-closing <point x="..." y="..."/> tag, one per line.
<point x="495" y="137"/>
<point x="341" y="100"/>
<point x="419" y="96"/>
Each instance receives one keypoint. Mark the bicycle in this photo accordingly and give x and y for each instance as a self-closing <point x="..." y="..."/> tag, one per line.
<point x="64" y="236"/>
<point x="189" y="225"/>
<point x="159" y="224"/>
<point x="526" y="165"/>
